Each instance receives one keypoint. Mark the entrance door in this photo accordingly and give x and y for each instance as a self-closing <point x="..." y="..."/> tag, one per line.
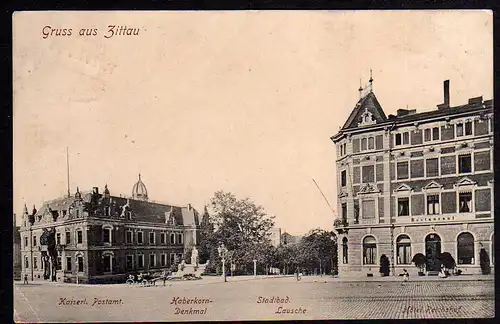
<point x="432" y="252"/>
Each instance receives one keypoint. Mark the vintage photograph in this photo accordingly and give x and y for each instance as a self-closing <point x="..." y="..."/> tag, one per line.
<point x="252" y="165"/>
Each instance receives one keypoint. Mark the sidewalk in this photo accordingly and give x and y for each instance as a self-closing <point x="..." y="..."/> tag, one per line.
<point x="398" y="278"/>
<point x="205" y="280"/>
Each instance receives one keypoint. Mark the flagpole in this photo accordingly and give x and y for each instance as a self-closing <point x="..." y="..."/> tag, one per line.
<point x="67" y="167"/>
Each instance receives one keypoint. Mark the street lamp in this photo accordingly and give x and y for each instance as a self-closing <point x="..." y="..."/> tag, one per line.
<point x="222" y="252"/>
<point x="254" y="268"/>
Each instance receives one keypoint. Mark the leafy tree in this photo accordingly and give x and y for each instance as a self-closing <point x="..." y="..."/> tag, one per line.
<point x="241" y="225"/>
<point x="318" y="249"/>
<point x="419" y="260"/>
<point x="484" y="261"/>
<point x="384" y="265"/>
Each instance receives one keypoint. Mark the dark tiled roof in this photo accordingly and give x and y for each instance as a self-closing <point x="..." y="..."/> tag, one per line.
<point x="369" y="102"/>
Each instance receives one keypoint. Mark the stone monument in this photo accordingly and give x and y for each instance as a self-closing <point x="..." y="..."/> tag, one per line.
<point x="194" y="257"/>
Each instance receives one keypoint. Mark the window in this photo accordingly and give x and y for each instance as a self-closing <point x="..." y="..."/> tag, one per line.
<point x="58" y="238"/>
<point x="402" y="138"/>
<point x="404" y="206"/>
<point x="59" y="263"/>
<point x="371" y="143"/>
<point x="25" y="241"/>
<point x="35" y="263"/>
<point x="106" y="260"/>
<point x="130" y="262"/>
<point x="179" y="238"/>
<point x="398" y="139"/>
<point x="140" y="261"/>
<point x="431" y="134"/>
<point x="172" y="238"/>
<point x="129" y="237"/>
<point x="344" y="212"/>
<point x="464" y="129"/>
<point x="152" y="260"/>
<point x="363" y="144"/>
<point x="163" y="238"/>
<point x="163" y="260"/>
<point x="465" y="248"/>
<point x="345" y="250"/>
<point x="368" y="209"/>
<point x="106" y="211"/>
<point x="368" y="173"/>
<point x="79" y="237"/>
<point x="402" y="170"/>
<point x="343" y="178"/>
<point x="403" y="249"/>
<point x="432" y="167"/>
<point x="369" y="250"/>
<point x="433" y="205"/>
<point x="26" y="262"/>
<point x="465" y="202"/>
<point x="80" y="264"/>
<point x="151" y="237"/>
<point x="464" y="163"/>
<point x="34" y="240"/>
<point x="129" y="215"/>
<point x="68" y="237"/>
<point x="343" y="149"/>
<point x="140" y="239"/>
<point x="68" y="263"/>
<point x="172" y="258"/>
<point x="106" y="235"/>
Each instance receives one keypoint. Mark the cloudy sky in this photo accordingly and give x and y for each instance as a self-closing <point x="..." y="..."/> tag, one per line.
<point x="244" y="102"/>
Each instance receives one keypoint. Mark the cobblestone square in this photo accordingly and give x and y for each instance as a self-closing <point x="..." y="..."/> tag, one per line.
<point x="238" y="299"/>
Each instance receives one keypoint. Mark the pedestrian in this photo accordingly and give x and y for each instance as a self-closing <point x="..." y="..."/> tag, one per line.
<point x="25" y="278"/>
<point x="406" y="275"/>
<point x="164" y="277"/>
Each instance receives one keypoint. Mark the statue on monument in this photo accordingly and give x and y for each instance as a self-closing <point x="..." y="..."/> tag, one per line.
<point x="194" y="256"/>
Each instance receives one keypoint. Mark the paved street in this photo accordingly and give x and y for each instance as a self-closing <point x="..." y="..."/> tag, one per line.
<point x="210" y="299"/>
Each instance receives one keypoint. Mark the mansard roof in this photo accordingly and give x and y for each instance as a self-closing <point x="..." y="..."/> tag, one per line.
<point x="367" y="103"/>
<point x="181" y="215"/>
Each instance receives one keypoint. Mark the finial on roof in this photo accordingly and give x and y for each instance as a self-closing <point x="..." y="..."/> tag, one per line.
<point x="371" y="78"/>
<point x="139" y="176"/>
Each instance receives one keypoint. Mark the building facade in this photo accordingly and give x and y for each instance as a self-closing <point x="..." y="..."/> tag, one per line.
<point x="415" y="183"/>
<point x="16" y="251"/>
<point x="275" y="236"/>
<point x="96" y="238"/>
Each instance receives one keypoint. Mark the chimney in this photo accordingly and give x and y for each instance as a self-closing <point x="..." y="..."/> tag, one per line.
<point x="446" y="90"/>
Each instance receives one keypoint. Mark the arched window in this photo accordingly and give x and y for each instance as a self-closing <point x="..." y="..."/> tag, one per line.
<point x="369" y="250"/>
<point x="345" y="250"/>
<point x="465" y="248"/>
<point x="403" y="249"/>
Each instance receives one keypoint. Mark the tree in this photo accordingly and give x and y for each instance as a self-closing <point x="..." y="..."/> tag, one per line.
<point x="447" y="261"/>
<point x="207" y="243"/>
<point x="318" y="250"/>
<point x="419" y="259"/>
<point x="484" y="261"/>
<point x="242" y="226"/>
<point x="384" y="265"/>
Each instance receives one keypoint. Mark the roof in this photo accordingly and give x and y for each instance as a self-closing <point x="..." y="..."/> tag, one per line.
<point x="150" y="211"/>
<point x="369" y="103"/>
<point x="474" y="105"/>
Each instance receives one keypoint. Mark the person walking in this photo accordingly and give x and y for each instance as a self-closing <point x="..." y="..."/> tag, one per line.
<point x="164" y="277"/>
<point x="25" y="278"/>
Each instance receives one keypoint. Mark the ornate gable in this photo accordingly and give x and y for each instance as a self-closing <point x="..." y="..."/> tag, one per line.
<point x="433" y="185"/>
<point x="368" y="189"/>
<point x="465" y="182"/>
<point x="403" y="188"/>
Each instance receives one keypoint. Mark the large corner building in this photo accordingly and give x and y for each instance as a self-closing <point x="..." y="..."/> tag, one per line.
<point x="415" y="183"/>
<point x="102" y="238"/>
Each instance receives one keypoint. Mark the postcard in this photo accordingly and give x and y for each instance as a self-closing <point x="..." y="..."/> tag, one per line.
<point x="252" y="165"/>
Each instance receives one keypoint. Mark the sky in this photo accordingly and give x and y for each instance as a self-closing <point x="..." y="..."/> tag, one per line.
<point x="241" y="101"/>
